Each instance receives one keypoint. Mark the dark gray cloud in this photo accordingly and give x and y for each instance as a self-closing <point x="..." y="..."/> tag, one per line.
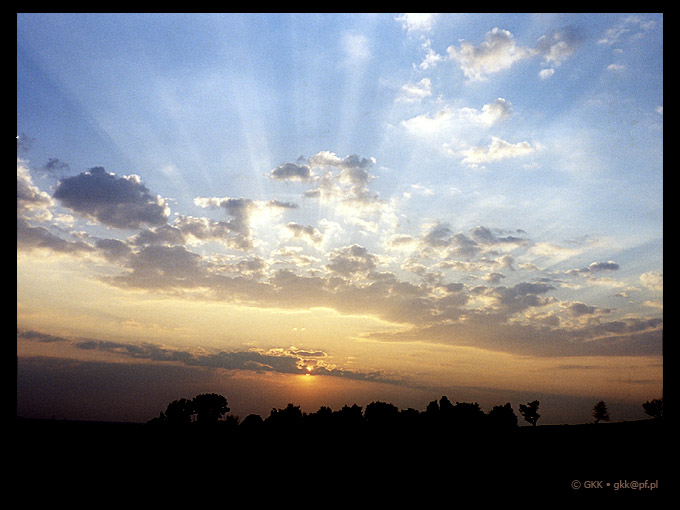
<point x="485" y="235"/>
<point x="24" y="143"/>
<point x="30" y="237"/>
<point x="307" y="232"/>
<point x="121" y="202"/>
<point x="580" y="309"/>
<point x="39" y="336"/>
<point x="113" y="249"/>
<point x="351" y="259"/>
<point x="438" y="236"/>
<point x="166" y="267"/>
<point x="165" y="234"/>
<point x="490" y="330"/>
<point x="468" y="244"/>
<point x="282" y="361"/>
<point x="292" y="172"/>
<point x="55" y="166"/>
<point x="595" y="267"/>
<point x="519" y="297"/>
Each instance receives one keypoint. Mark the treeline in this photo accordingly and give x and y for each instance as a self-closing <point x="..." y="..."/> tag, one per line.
<point x="440" y="415"/>
<point x="208" y="409"/>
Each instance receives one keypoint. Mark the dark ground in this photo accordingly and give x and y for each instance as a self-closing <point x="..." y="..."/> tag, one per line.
<point x="129" y="462"/>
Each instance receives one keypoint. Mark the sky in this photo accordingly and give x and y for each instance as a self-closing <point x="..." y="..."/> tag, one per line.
<point x="329" y="209"/>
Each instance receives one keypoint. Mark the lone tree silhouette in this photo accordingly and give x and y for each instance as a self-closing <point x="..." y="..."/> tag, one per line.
<point x="530" y="412"/>
<point x="600" y="412"/>
<point x="654" y="408"/>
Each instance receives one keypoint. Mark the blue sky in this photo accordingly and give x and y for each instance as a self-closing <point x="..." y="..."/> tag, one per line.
<point x="482" y="191"/>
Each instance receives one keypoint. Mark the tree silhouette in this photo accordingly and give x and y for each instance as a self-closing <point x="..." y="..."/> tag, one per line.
<point x="530" y="412"/>
<point x="600" y="412"/>
<point x="445" y="408"/>
<point x="654" y="408"/>
<point x="285" y="419"/>
<point x="204" y="409"/>
<point x="209" y="408"/>
<point x="381" y="413"/>
<point x="179" y="412"/>
<point x="468" y="415"/>
<point x="252" y="423"/>
<point x="349" y="418"/>
<point x="502" y="417"/>
<point x="432" y="409"/>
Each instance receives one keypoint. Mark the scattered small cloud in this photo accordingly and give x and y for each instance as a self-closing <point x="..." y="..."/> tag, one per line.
<point x="615" y="68"/>
<point x="498" y="52"/>
<point x="417" y="22"/>
<point x="497" y="150"/>
<point x="544" y="74"/>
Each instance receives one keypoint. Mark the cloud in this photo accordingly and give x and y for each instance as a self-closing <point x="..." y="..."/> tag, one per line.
<point x="235" y="232"/>
<point x="519" y="297"/>
<point x="521" y="313"/>
<point x="497" y="150"/>
<point x="493" y="112"/>
<point x="279" y="360"/>
<point x="332" y="176"/>
<point x="446" y="121"/>
<point x="417" y="21"/>
<point x="559" y="45"/>
<point x="291" y="172"/>
<point x="30" y="199"/>
<point x="24" y="142"/>
<point x="31" y="238"/>
<point x="342" y="183"/>
<point x="167" y="234"/>
<point x="615" y="68"/>
<point x="497" y="52"/>
<point x="113" y="249"/>
<point x="413" y="92"/>
<point x="55" y="165"/>
<point x="439" y="235"/>
<point x="595" y="267"/>
<point x="486" y="330"/>
<point x="432" y="58"/>
<point x="306" y="232"/>
<point x="580" y="309"/>
<point x="522" y="317"/>
<point x="356" y="48"/>
<point x="121" y="202"/>
<point x="652" y="280"/>
<point x="352" y="259"/>
<point x="630" y="27"/>
<point x="165" y="267"/>
<point x="476" y="241"/>
<point x="544" y="74"/>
